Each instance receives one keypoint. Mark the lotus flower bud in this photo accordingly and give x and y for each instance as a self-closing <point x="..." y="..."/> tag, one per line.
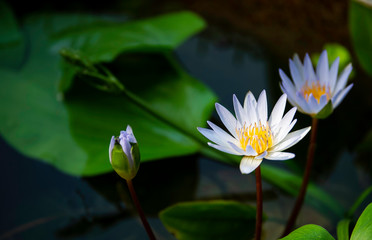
<point x="124" y="154"/>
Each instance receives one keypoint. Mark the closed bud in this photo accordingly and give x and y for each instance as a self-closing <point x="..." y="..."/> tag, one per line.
<point x="124" y="154"/>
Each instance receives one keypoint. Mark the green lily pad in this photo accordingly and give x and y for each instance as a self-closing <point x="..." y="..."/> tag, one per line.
<point x="363" y="227"/>
<point x="210" y="220"/>
<point x="72" y="131"/>
<point x="309" y="231"/>
<point x="360" y="22"/>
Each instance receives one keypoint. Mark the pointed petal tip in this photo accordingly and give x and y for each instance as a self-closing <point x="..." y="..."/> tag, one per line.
<point x="324" y="52"/>
<point x="295" y="55"/>
<point x="350" y="65"/>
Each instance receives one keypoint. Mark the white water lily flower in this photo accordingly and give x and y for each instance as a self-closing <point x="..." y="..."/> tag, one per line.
<point x="251" y="134"/>
<point x="311" y="91"/>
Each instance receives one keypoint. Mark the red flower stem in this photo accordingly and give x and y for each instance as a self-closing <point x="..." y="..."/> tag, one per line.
<point x="259" y="204"/>
<point x="305" y="181"/>
<point x="140" y="211"/>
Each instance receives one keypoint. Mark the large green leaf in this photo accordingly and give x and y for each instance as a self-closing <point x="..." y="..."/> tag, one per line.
<point x="210" y="220"/>
<point x="8" y="26"/>
<point x="72" y="131"/>
<point x="103" y="42"/>
<point x="363" y="227"/>
<point x="310" y="231"/>
<point x="12" y="45"/>
<point x="343" y="225"/>
<point x="360" y="22"/>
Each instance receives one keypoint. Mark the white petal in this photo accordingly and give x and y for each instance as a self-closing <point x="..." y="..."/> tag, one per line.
<point x="333" y="74"/>
<point x="313" y="104"/>
<point x="249" y="98"/>
<point x="262" y="155"/>
<point x="342" y="95"/>
<point x="322" y="101"/>
<point x="237" y="149"/>
<point x="322" y="68"/>
<point x="302" y="103"/>
<point x="291" y="99"/>
<point x="213" y="136"/>
<point x="250" y="151"/>
<point x="112" y="144"/>
<point x="250" y="107"/>
<point x="342" y="80"/>
<point x="279" y="156"/>
<point x="297" y="78"/>
<point x="287" y="83"/>
<point x="309" y="70"/>
<point x="299" y="66"/>
<point x="290" y="140"/>
<point x="284" y="123"/>
<point x="241" y="116"/>
<point x="129" y="130"/>
<point x="249" y="164"/>
<point x="227" y="118"/>
<point x="224" y="136"/>
<point x="224" y="149"/>
<point x="278" y="110"/>
<point x="262" y="107"/>
<point x="125" y="145"/>
<point x="288" y="117"/>
<point x="283" y="132"/>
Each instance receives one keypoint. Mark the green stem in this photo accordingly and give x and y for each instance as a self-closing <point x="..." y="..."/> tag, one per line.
<point x="111" y="79"/>
<point x="140" y="211"/>
<point x="305" y="181"/>
<point x="259" y="204"/>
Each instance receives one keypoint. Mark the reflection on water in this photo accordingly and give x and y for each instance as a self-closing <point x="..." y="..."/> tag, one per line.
<point x="40" y="202"/>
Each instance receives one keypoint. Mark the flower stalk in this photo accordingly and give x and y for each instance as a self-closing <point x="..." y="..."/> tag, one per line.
<point x="301" y="196"/>
<point x="258" y="203"/>
<point x="145" y="223"/>
<point x="125" y="160"/>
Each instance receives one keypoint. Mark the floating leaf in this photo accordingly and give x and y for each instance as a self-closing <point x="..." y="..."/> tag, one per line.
<point x="73" y="133"/>
<point x="210" y="220"/>
<point x="343" y="225"/>
<point x="310" y="231"/>
<point x="360" y="22"/>
<point x="12" y="45"/>
<point x="363" y="227"/>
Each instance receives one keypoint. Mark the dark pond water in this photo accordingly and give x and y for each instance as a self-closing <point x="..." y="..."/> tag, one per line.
<point x="39" y="202"/>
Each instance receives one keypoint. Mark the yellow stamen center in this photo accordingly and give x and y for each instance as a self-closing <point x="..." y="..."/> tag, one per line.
<point x="258" y="136"/>
<point x="316" y="89"/>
